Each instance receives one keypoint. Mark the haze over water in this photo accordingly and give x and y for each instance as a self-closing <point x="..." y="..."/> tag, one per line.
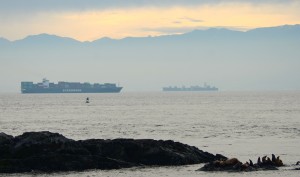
<point x="236" y="124"/>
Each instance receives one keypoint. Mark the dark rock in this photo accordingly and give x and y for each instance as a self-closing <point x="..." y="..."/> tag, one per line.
<point x="4" y="138"/>
<point x="234" y="164"/>
<point x="49" y="152"/>
<point x="6" y="142"/>
<point x="297" y="164"/>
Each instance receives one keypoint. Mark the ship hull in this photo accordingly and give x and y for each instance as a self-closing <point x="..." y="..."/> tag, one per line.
<point x="189" y="90"/>
<point x="70" y="90"/>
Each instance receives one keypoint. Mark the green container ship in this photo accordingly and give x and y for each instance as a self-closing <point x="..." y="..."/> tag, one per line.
<point x="68" y="87"/>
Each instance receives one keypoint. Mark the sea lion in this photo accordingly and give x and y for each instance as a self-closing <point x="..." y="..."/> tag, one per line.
<point x="278" y="162"/>
<point x="228" y="162"/>
<point x="245" y="166"/>
<point x="231" y="161"/>
<point x="217" y="163"/>
<point x="237" y="166"/>
<point x="258" y="161"/>
<point x="264" y="159"/>
<point x="251" y="163"/>
<point x="273" y="158"/>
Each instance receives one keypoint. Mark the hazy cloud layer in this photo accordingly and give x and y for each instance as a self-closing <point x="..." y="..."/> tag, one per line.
<point x="180" y="30"/>
<point x="192" y="19"/>
<point x="172" y="30"/>
<point x="29" y="6"/>
<point x="92" y="19"/>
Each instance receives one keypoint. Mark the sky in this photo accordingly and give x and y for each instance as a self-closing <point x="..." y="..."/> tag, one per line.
<point x="261" y="65"/>
<point x="88" y="20"/>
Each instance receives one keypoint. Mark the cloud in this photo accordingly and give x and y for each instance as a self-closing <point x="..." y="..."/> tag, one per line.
<point x="177" y="22"/>
<point x="92" y="19"/>
<point x="34" y="6"/>
<point x="182" y="20"/>
<point x="181" y="30"/>
<point x="192" y="19"/>
<point x="172" y="30"/>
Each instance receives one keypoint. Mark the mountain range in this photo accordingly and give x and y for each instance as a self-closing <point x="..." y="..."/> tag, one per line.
<point x="258" y="59"/>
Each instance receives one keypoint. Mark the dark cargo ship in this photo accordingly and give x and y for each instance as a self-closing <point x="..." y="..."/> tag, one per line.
<point x="192" y="88"/>
<point x="68" y="87"/>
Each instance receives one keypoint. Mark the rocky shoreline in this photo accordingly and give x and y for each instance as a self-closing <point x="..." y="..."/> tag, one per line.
<point x="234" y="165"/>
<point x="52" y="152"/>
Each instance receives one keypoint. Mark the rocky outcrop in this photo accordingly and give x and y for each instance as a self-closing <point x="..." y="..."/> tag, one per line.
<point x="298" y="165"/>
<point x="234" y="164"/>
<point x="48" y="152"/>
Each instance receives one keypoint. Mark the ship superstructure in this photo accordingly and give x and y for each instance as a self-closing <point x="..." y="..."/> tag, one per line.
<point x="192" y="88"/>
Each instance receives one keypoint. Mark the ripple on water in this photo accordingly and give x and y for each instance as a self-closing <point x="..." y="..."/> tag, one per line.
<point x="236" y="124"/>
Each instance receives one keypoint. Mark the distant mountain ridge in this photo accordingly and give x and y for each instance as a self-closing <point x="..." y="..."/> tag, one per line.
<point x="291" y="29"/>
<point x="258" y="59"/>
<point x="4" y="41"/>
<point x="45" y="37"/>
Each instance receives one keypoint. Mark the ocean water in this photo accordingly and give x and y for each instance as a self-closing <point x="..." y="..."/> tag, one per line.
<point x="244" y="125"/>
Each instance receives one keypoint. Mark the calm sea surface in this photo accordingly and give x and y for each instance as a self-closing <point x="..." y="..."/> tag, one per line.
<point x="236" y="124"/>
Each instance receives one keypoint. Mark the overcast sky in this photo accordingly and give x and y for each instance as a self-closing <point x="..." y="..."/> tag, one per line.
<point x="93" y="19"/>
